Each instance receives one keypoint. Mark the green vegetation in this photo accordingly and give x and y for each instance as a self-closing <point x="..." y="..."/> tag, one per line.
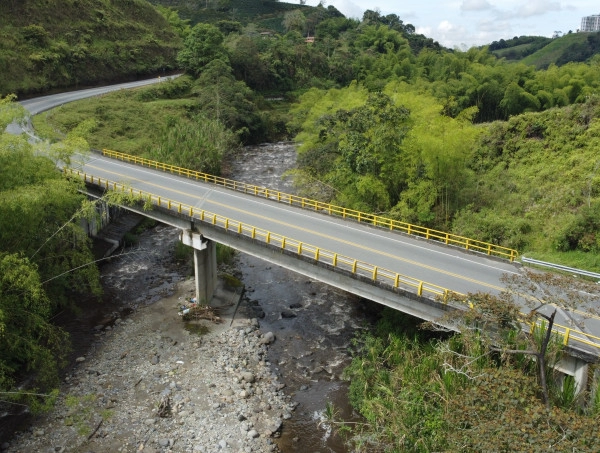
<point x="423" y="391"/>
<point x="81" y="413"/>
<point x="46" y="45"/>
<point x="542" y="52"/>
<point x="44" y="261"/>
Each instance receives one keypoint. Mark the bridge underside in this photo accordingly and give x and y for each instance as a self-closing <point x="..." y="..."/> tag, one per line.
<point x="404" y="301"/>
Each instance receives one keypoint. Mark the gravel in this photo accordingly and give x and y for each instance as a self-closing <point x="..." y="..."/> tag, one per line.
<point x="149" y="385"/>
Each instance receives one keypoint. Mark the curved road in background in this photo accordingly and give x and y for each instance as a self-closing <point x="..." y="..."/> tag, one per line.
<point x="431" y="262"/>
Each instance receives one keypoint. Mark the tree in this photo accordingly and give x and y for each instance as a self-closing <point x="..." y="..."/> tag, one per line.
<point x="45" y="256"/>
<point x="294" y="21"/>
<point x="519" y="321"/>
<point x="229" y="101"/>
<point x="359" y="151"/>
<point x="203" y="44"/>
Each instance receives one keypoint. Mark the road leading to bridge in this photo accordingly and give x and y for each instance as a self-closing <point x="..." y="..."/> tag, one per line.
<point x="448" y="267"/>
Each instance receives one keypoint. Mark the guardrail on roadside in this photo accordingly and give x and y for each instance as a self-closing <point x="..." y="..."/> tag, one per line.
<point x="560" y="267"/>
<point x="356" y="267"/>
<point x="325" y="208"/>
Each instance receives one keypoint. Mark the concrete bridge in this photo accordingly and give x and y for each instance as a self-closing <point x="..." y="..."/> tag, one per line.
<point x="403" y="266"/>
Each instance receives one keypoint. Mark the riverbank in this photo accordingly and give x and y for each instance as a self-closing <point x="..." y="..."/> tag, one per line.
<point x="148" y="384"/>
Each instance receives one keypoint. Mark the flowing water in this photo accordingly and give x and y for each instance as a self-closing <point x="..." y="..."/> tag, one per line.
<point x="313" y="323"/>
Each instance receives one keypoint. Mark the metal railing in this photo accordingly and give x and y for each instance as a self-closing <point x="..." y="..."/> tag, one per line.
<point x="357" y="268"/>
<point x="325" y="208"/>
<point x="560" y="267"/>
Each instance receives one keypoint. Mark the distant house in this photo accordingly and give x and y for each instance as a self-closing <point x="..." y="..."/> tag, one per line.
<point x="310" y="39"/>
<point x="590" y="23"/>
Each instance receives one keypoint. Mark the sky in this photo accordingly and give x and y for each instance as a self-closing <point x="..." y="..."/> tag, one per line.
<point x="466" y="23"/>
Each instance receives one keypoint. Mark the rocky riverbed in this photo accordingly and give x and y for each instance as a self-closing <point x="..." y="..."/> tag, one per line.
<point x="149" y="382"/>
<point x="150" y="385"/>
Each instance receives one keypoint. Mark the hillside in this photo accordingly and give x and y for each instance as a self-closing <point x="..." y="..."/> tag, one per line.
<point x="50" y="44"/>
<point x="542" y="52"/>
<point x="266" y="15"/>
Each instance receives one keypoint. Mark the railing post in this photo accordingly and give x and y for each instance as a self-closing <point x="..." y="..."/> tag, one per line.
<point x="566" y="337"/>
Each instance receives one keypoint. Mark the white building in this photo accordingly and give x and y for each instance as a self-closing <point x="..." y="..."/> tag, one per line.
<point x="590" y="23"/>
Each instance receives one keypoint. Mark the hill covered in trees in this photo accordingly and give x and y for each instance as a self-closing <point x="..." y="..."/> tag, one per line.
<point x="542" y="52"/>
<point x="46" y="45"/>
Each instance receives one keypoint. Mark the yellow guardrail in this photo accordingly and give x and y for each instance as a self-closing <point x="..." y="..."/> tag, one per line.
<point x="302" y="249"/>
<point x="326" y="208"/>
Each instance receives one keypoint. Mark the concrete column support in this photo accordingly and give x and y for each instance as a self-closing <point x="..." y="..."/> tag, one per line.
<point x="205" y="264"/>
<point x="576" y="367"/>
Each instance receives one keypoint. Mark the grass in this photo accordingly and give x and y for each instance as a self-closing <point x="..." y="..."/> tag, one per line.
<point x="196" y="329"/>
<point x="132" y="127"/>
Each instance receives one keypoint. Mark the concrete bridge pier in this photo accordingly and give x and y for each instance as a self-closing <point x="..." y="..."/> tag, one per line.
<point x="205" y="264"/>
<point x="578" y="368"/>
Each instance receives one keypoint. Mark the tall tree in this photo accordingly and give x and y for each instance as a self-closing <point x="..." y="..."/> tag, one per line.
<point x="203" y="44"/>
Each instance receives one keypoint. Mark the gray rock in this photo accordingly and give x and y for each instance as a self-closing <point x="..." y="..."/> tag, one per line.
<point x="268" y="338"/>
<point x="248" y="377"/>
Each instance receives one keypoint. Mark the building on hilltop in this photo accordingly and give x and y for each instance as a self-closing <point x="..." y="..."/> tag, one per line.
<point x="590" y="23"/>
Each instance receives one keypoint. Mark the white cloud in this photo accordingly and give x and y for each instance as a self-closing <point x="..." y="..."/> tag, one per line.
<point x="475" y="5"/>
<point x="537" y="8"/>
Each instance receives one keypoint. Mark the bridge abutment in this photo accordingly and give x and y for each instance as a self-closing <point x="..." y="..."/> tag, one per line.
<point x="205" y="264"/>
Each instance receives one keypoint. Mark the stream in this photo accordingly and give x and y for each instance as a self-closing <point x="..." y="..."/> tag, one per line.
<point x="313" y="322"/>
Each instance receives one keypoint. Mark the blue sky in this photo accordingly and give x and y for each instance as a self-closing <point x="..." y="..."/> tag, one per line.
<point x="467" y="23"/>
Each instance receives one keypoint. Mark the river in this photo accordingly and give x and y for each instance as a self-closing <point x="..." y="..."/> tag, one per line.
<point x="314" y="323"/>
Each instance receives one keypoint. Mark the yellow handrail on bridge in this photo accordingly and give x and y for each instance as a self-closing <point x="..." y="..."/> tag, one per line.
<point x="325" y="208"/>
<point x="337" y="261"/>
